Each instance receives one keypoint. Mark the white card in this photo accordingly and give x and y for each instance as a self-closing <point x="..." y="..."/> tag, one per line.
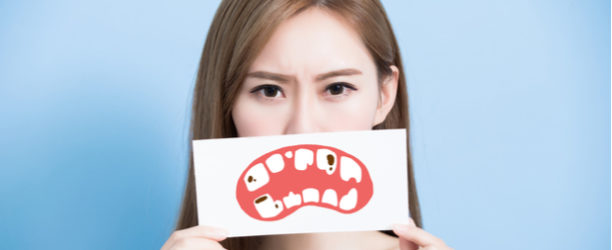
<point x="302" y="183"/>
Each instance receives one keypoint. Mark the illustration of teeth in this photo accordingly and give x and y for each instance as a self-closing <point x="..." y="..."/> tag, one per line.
<point x="349" y="200"/>
<point x="310" y="195"/>
<point x="275" y="163"/>
<point x="303" y="158"/>
<point x="349" y="169"/>
<point x="267" y="207"/>
<point x="256" y="177"/>
<point x="330" y="197"/>
<point x="292" y="200"/>
<point x="326" y="160"/>
<point x="278" y="182"/>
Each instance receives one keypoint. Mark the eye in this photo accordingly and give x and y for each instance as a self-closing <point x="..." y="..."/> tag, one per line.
<point x="267" y="91"/>
<point x="338" y="88"/>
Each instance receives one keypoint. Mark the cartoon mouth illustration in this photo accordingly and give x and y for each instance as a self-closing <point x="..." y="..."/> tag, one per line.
<point x="280" y="182"/>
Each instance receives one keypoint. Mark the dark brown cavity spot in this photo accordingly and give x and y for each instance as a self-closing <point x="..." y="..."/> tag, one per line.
<point x="250" y="179"/>
<point x="330" y="160"/>
<point x="330" y="168"/>
<point x="260" y="199"/>
<point x="276" y="205"/>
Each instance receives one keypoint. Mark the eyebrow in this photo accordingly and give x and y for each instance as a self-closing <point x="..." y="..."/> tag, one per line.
<point x="287" y="78"/>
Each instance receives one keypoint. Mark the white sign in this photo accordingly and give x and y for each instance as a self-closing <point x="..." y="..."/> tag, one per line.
<point x="303" y="183"/>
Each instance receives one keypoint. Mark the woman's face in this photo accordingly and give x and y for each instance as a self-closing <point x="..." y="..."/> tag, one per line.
<point x="314" y="75"/>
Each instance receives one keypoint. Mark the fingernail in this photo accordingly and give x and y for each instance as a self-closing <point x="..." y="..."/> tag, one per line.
<point x="399" y="228"/>
<point x="411" y="222"/>
<point x="221" y="233"/>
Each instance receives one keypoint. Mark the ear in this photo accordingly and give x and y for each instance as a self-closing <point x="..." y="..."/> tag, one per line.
<point x="388" y="92"/>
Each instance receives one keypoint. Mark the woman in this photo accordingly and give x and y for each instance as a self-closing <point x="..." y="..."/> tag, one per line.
<point x="282" y="67"/>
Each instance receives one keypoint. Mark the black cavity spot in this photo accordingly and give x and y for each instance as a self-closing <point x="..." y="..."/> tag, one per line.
<point x="260" y="199"/>
<point x="330" y="160"/>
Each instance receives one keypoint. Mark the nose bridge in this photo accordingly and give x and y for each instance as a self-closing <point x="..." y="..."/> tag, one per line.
<point x="302" y="119"/>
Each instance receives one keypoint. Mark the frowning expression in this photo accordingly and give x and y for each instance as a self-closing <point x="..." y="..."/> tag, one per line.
<point x="314" y="75"/>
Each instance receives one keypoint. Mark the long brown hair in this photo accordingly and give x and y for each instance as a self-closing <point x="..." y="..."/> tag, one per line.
<point x="239" y="30"/>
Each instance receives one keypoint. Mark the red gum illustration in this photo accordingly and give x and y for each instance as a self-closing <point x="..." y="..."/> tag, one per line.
<point x="281" y="181"/>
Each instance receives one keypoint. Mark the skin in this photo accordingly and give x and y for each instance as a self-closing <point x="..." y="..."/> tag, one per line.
<point x="286" y="93"/>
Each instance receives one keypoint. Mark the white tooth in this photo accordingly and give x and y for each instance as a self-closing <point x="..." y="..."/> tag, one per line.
<point x="288" y="154"/>
<point x="310" y="195"/>
<point x="303" y="158"/>
<point x="330" y="197"/>
<point x="292" y="200"/>
<point x="256" y="177"/>
<point x="349" y="169"/>
<point x="323" y="161"/>
<point x="267" y="207"/>
<point x="275" y="163"/>
<point x="349" y="200"/>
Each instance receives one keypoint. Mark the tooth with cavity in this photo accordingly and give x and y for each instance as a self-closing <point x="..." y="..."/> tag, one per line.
<point x="292" y="200"/>
<point x="330" y="197"/>
<point x="349" y="200"/>
<point x="349" y="169"/>
<point x="310" y="195"/>
<point x="256" y="177"/>
<point x="275" y="163"/>
<point x="303" y="158"/>
<point x="326" y="160"/>
<point x="268" y="207"/>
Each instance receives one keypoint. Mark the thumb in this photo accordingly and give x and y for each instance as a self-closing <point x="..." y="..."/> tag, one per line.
<point x="406" y="244"/>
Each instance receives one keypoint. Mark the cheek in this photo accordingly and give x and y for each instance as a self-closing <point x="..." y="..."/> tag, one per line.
<point x="356" y="113"/>
<point x="254" y="119"/>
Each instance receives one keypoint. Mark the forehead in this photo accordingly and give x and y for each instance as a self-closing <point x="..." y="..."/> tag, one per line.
<point x="312" y="42"/>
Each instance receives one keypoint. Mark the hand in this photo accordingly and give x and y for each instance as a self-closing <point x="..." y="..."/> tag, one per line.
<point x="198" y="237"/>
<point x="413" y="238"/>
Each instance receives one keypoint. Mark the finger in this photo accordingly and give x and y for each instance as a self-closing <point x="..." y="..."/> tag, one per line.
<point x="416" y="235"/>
<point x="213" y="233"/>
<point x="197" y="243"/>
<point x="407" y="245"/>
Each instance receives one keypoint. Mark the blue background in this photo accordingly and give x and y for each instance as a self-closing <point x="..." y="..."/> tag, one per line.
<point x="510" y="109"/>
